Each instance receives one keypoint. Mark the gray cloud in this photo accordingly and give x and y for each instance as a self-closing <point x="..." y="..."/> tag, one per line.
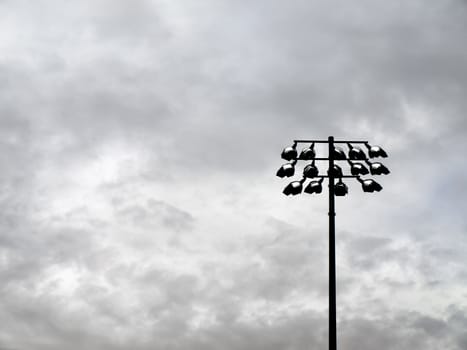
<point x="137" y="193"/>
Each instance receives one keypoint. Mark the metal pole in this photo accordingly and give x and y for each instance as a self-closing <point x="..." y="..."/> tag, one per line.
<point x="332" y="252"/>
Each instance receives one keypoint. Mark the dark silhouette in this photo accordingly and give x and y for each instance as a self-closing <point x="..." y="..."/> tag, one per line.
<point x="290" y="153"/>
<point x="339" y="154"/>
<point x="315" y="186"/>
<point x="335" y="171"/>
<point x="356" y="153"/>
<point x="294" y="188"/>
<point x="310" y="171"/>
<point x="340" y="189"/>
<point x="357" y="168"/>
<point x="376" y="168"/>
<point x="287" y="170"/>
<point x="308" y="153"/>
<point x="375" y="151"/>
<point x="370" y="185"/>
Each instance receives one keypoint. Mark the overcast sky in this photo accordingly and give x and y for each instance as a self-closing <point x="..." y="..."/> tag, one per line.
<point x="139" y="207"/>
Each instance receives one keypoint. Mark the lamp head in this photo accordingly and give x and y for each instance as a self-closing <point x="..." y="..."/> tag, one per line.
<point x="356" y="153"/>
<point x="357" y="168"/>
<point x="370" y="185"/>
<point x="314" y="187"/>
<point x="308" y="153"/>
<point x="336" y="171"/>
<point x="339" y="154"/>
<point x="310" y="171"/>
<point x="377" y="168"/>
<point x="293" y="188"/>
<point x="340" y="188"/>
<point x="376" y="151"/>
<point x="290" y="153"/>
<point x="286" y="170"/>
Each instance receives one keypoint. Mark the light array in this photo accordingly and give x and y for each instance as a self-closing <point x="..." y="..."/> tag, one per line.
<point x="357" y="160"/>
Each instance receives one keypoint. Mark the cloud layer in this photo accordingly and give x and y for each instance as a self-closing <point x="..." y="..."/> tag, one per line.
<point x="138" y="203"/>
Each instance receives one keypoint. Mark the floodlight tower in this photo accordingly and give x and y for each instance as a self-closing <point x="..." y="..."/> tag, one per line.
<point x="355" y="158"/>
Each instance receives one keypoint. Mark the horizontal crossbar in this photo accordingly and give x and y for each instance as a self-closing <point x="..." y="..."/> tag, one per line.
<point x="326" y="141"/>
<point x="337" y="160"/>
<point x="338" y="177"/>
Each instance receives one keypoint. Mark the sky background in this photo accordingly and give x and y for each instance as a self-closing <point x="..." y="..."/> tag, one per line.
<point x="139" y="206"/>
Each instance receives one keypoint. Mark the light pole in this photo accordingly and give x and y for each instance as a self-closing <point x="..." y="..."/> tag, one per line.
<point x="355" y="156"/>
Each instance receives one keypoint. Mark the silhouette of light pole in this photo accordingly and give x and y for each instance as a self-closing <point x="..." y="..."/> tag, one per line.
<point x="355" y="159"/>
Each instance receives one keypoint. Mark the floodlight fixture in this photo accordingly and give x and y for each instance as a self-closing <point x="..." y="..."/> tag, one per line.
<point x="376" y="151"/>
<point x="308" y="153"/>
<point x="357" y="168"/>
<point x="336" y="171"/>
<point x="356" y="153"/>
<point x="286" y="170"/>
<point x="340" y="188"/>
<point x="314" y="186"/>
<point x="290" y="153"/>
<point x="377" y="168"/>
<point x="339" y="154"/>
<point x="310" y="171"/>
<point x="294" y="188"/>
<point x="370" y="185"/>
